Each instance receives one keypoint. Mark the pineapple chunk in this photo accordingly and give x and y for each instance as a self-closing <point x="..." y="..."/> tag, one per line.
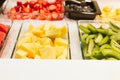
<point x="21" y="54"/>
<point x="63" y="30"/>
<point x="29" y="47"/>
<point x="65" y="54"/>
<point x="59" y="50"/>
<point x="37" y="57"/>
<point x="46" y="41"/>
<point x="31" y="27"/>
<point x="39" y="33"/>
<point x="47" y="52"/>
<point x="61" y="42"/>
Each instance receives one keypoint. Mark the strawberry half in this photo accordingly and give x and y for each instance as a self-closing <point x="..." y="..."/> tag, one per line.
<point x="19" y="3"/>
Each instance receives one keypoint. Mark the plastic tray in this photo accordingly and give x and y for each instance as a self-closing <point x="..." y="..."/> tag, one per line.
<point x="37" y="23"/>
<point x="36" y="15"/>
<point x="79" y="15"/>
<point x="9" y="23"/>
<point x="97" y="24"/>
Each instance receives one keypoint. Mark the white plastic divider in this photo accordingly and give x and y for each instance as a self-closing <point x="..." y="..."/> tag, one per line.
<point x="75" y="48"/>
<point x="11" y="39"/>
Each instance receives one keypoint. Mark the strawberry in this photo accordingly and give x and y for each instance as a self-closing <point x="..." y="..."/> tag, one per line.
<point x="11" y="16"/>
<point x="26" y="10"/>
<point x="54" y="15"/>
<point x="49" y="16"/>
<point x="26" y="4"/>
<point x="18" y="16"/>
<point x="52" y="7"/>
<point x="17" y="8"/>
<point x="52" y="1"/>
<point x="37" y="6"/>
<point x="19" y="3"/>
<point x="45" y="3"/>
<point x="12" y="11"/>
<point x="42" y="11"/>
<point x="32" y="3"/>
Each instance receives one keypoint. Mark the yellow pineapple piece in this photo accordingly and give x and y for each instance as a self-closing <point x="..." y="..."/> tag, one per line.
<point x="21" y="54"/>
<point x="63" y="30"/>
<point x="107" y="9"/>
<point x="117" y="11"/>
<point x="38" y="32"/>
<point x="31" y="27"/>
<point x="30" y="48"/>
<point x="61" y="42"/>
<point x="24" y="40"/>
<point x="37" y="57"/>
<point x="59" y="50"/>
<point x="47" y="52"/>
<point x="65" y="54"/>
<point x="46" y="41"/>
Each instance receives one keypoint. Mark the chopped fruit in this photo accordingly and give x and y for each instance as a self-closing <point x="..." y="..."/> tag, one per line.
<point x="35" y="44"/>
<point x="44" y="3"/>
<point x="39" y="9"/>
<point x="13" y="11"/>
<point x="52" y="7"/>
<point x="26" y="4"/>
<point x="19" y="3"/>
<point x="54" y="15"/>
<point x="49" y="17"/>
<point x="32" y="3"/>
<point x="37" y="6"/>
<point x="4" y="28"/>
<point x="52" y="1"/>
<point x="61" y="42"/>
<point x="3" y="31"/>
<point x="18" y="16"/>
<point x="26" y="10"/>
<point x="17" y="8"/>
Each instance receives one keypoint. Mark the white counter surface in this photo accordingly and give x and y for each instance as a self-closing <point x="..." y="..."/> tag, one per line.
<point x="59" y="70"/>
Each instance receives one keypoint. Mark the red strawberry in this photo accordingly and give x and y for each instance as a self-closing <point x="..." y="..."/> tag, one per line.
<point x="4" y="28"/>
<point x="32" y="3"/>
<point x="52" y="7"/>
<point x="52" y="1"/>
<point x="12" y="11"/>
<point x="45" y="2"/>
<point x="49" y="16"/>
<point x="11" y="16"/>
<point x="37" y="6"/>
<point x="42" y="11"/>
<point x="19" y="3"/>
<point x="17" y="8"/>
<point x="54" y="15"/>
<point x="18" y="16"/>
<point x="26" y="4"/>
<point x="26" y="10"/>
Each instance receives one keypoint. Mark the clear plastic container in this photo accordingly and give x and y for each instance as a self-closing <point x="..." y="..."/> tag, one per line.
<point x="45" y="25"/>
<point x="29" y="9"/>
<point x="99" y="40"/>
<point x="8" y="24"/>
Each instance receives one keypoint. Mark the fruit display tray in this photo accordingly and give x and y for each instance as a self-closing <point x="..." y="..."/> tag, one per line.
<point x="51" y="38"/>
<point x="39" y="10"/>
<point x="99" y="40"/>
